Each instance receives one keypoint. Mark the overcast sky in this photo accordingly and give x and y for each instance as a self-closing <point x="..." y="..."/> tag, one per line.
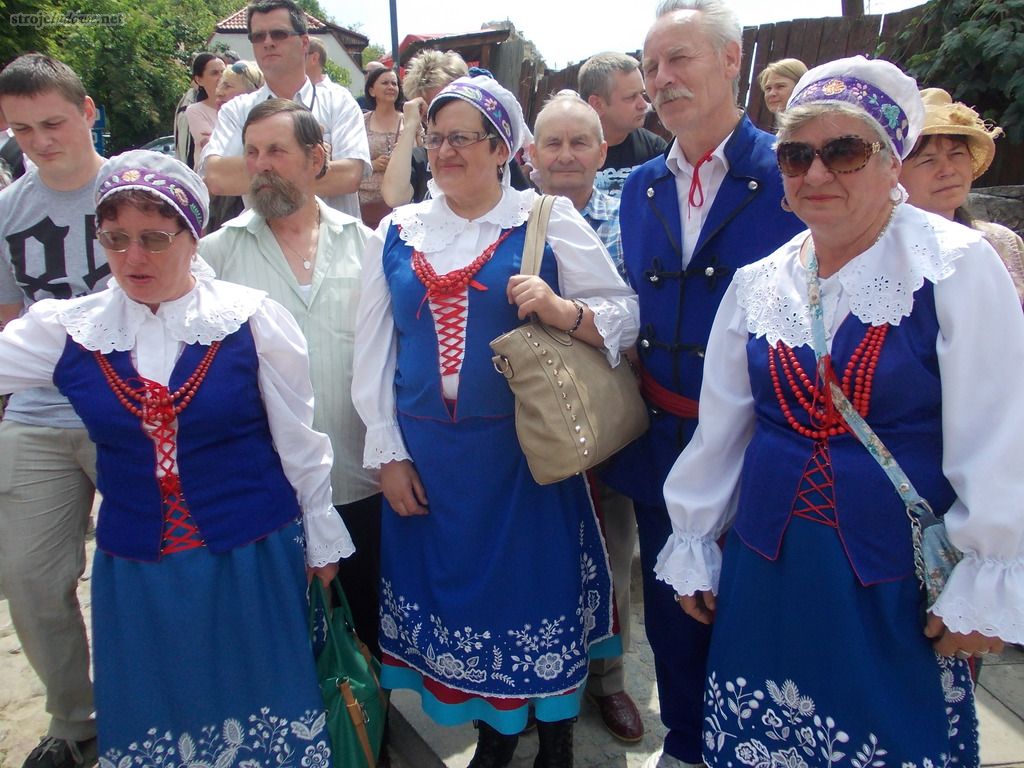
<point x="564" y="31"/>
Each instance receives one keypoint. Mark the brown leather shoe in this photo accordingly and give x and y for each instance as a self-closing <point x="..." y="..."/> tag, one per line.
<point x="620" y="716"/>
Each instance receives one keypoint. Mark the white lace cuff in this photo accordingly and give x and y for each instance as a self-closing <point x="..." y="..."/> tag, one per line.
<point x="689" y="564"/>
<point x="984" y="595"/>
<point x="327" y="538"/>
<point x="383" y="445"/>
<point x="608" y="320"/>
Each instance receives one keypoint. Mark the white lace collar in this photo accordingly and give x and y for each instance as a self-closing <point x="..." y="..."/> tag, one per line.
<point x="109" y="321"/>
<point x="877" y="286"/>
<point x="431" y="226"/>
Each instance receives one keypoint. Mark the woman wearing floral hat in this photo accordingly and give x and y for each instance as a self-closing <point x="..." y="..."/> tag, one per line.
<point x="824" y="651"/>
<point x="197" y="395"/>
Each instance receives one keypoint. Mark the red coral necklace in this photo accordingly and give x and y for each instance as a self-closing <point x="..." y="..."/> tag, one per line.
<point x="814" y="397"/>
<point x="167" y="406"/>
<point x="453" y="282"/>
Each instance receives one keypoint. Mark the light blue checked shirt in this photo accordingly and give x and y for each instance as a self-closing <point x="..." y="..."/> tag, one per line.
<point x="602" y="213"/>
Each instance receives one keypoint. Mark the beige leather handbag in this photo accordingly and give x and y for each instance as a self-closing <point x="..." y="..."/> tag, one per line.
<point x="573" y="410"/>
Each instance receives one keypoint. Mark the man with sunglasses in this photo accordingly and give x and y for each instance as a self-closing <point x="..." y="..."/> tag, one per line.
<point x="280" y="40"/>
<point x="689" y="219"/>
<point x="47" y="462"/>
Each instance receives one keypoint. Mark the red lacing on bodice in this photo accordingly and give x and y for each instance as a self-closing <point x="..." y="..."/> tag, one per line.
<point x="450" y="318"/>
<point x="448" y="295"/>
<point x="815" y="495"/>
<point x="158" y="408"/>
<point x="159" y="420"/>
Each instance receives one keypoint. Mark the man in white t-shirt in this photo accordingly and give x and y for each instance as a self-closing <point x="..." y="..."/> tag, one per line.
<point x="48" y="249"/>
<point x="280" y="39"/>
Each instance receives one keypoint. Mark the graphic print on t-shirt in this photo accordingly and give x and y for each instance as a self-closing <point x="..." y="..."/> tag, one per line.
<point x="38" y="254"/>
<point x="610" y="180"/>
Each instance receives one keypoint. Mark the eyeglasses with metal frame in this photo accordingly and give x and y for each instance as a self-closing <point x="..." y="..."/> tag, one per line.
<point x="456" y="139"/>
<point x="151" y="240"/>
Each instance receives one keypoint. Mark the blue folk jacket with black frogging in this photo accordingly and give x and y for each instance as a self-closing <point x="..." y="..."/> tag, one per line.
<point x="677" y="306"/>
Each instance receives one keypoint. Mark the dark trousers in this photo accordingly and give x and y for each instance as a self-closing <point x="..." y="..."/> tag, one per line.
<point x="360" y="573"/>
<point x="679" y="643"/>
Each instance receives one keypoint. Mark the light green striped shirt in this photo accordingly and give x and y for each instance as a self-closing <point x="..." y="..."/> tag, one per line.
<point x="245" y="251"/>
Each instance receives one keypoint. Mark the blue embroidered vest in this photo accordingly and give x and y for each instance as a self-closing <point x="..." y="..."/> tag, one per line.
<point x="230" y="473"/>
<point x="483" y="392"/>
<point x="905" y="411"/>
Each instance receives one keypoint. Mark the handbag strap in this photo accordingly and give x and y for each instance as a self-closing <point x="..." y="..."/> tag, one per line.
<point x="341" y="603"/>
<point x="917" y="507"/>
<point x="536" y="235"/>
<point x="357" y="715"/>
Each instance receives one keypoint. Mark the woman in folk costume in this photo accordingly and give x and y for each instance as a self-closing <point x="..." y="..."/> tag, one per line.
<point x="216" y="490"/>
<point x="495" y="590"/>
<point x="822" y="652"/>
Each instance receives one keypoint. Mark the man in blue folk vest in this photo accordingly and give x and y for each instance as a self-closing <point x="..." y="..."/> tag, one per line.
<point x="689" y="219"/>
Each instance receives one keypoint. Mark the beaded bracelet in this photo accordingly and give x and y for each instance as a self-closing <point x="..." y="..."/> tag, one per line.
<point x="579" y="315"/>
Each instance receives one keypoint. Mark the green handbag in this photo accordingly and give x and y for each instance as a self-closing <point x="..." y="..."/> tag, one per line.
<point x="349" y="683"/>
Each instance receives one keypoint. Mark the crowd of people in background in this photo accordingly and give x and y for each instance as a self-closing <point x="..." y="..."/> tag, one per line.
<point x="270" y="357"/>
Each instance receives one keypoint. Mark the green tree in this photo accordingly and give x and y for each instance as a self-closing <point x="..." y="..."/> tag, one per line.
<point x="372" y="52"/>
<point x="26" y="25"/>
<point x="313" y="7"/>
<point x="337" y="74"/>
<point x="138" y="69"/>
<point x="975" y="50"/>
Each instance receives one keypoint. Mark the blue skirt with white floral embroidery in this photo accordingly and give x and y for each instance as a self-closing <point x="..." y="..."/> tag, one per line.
<point x="206" y="659"/>
<point x="502" y="593"/>
<point x="810" y="668"/>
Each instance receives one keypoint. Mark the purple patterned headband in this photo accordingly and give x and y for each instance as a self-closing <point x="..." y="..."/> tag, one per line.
<point x="165" y="187"/>
<point x="875" y="102"/>
<point x="483" y="100"/>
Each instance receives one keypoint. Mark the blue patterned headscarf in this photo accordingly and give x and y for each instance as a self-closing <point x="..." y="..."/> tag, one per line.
<point x="883" y="91"/>
<point x="494" y="101"/>
<point x="161" y="176"/>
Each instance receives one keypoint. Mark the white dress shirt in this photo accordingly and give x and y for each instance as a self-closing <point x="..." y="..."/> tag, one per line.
<point x="712" y="174"/>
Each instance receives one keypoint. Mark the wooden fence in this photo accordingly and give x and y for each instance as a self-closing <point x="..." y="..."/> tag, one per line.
<point x="813" y="41"/>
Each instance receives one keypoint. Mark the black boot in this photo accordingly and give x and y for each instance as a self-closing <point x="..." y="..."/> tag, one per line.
<point x="555" y="744"/>
<point x="493" y="749"/>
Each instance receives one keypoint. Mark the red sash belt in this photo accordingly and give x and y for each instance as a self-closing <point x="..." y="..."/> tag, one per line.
<point x="666" y="399"/>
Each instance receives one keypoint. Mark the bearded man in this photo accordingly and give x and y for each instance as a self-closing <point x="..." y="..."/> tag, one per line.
<point x="306" y="256"/>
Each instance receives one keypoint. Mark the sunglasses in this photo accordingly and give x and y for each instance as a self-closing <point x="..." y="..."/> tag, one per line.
<point x="843" y="155"/>
<point x="277" y="35"/>
<point x="456" y="140"/>
<point x="151" y="241"/>
<point x="242" y="69"/>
